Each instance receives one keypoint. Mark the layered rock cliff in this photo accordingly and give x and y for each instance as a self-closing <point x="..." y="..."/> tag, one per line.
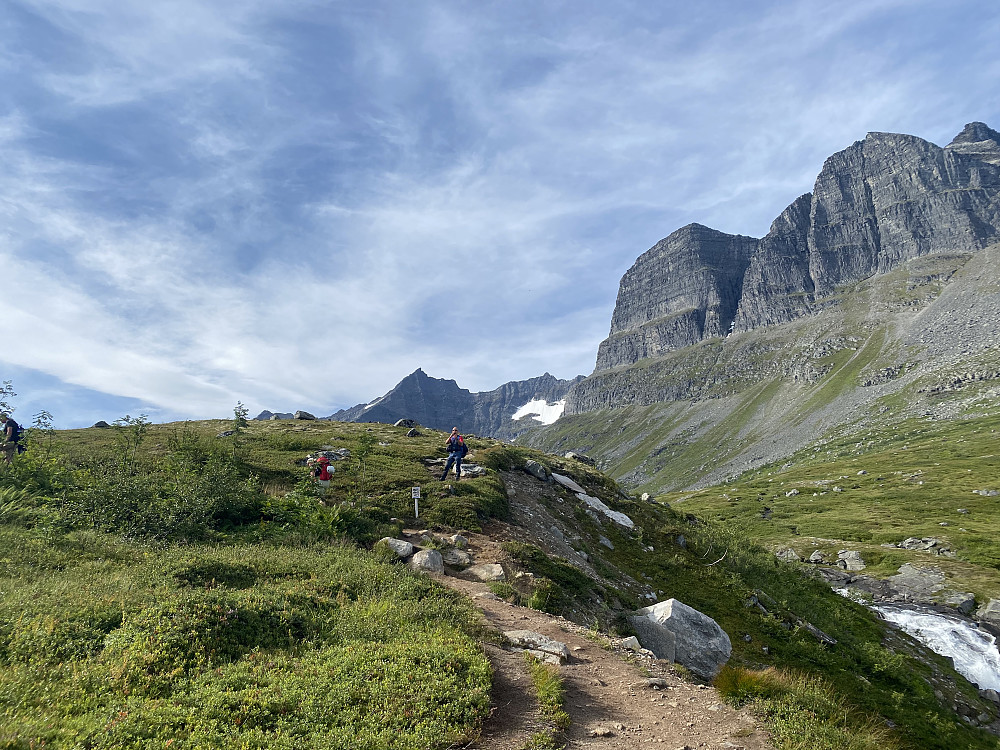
<point x="879" y="203"/>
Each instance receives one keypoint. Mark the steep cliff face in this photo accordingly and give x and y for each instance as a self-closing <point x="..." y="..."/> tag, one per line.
<point x="684" y="289"/>
<point x="441" y="404"/>
<point x="879" y="203"/>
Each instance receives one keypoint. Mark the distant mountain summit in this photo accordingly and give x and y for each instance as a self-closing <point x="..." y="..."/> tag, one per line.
<point x="505" y="412"/>
<point x="442" y="404"/>
<point x="871" y="300"/>
<point x="879" y="203"/>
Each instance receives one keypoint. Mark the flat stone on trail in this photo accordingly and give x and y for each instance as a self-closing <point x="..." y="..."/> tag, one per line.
<point x="529" y="640"/>
<point x="487" y="572"/>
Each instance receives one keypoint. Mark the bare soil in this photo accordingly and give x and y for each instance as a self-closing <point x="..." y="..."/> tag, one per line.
<point x="608" y="698"/>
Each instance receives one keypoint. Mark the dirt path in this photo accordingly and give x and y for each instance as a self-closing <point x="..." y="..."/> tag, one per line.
<point x="607" y="696"/>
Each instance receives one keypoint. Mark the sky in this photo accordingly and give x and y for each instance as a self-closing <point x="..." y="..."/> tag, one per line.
<point x="294" y="204"/>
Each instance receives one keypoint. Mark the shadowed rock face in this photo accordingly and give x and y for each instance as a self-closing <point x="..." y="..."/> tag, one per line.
<point x="684" y="289"/>
<point x="881" y="202"/>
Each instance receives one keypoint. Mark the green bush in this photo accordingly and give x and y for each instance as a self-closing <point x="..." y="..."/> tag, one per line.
<point x="503" y="457"/>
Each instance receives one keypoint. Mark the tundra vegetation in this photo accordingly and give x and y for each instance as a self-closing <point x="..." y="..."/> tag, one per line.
<point x="164" y="587"/>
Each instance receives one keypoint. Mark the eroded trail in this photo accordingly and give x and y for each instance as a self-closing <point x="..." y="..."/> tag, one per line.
<point x="607" y="695"/>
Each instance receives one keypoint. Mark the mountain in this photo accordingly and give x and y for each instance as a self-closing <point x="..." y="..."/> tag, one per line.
<point x="871" y="298"/>
<point x="442" y="404"/>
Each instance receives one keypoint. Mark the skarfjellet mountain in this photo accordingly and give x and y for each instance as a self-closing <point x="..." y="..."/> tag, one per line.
<point x="872" y="297"/>
<point x="885" y="200"/>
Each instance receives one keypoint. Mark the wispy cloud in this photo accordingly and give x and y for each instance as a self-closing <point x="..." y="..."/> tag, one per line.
<point x="295" y="204"/>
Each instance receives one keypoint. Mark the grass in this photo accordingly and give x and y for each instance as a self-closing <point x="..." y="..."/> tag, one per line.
<point x="114" y="644"/>
<point x="550" y="692"/>
<point x="276" y="628"/>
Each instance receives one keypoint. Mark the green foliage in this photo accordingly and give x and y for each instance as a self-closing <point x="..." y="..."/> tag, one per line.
<point x="503" y="457"/>
<point x="558" y="585"/>
<point x="550" y="691"/>
<point x="112" y="644"/>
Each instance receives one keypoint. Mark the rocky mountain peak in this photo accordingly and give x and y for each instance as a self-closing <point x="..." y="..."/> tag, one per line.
<point x="883" y="201"/>
<point x="979" y="140"/>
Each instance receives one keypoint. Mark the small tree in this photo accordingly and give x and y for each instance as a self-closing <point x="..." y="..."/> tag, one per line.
<point x="6" y="394"/>
<point x="129" y="434"/>
<point x="240" y="423"/>
<point x="43" y="434"/>
<point x="364" y="446"/>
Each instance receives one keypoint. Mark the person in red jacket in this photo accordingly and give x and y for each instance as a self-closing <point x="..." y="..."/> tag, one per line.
<point x="456" y="452"/>
<point x="322" y="472"/>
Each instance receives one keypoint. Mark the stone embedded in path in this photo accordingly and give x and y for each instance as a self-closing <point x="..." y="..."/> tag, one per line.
<point x="429" y="560"/>
<point x="401" y="547"/>
<point x="487" y="572"/>
<point x="536" y="643"/>
<point x="698" y="642"/>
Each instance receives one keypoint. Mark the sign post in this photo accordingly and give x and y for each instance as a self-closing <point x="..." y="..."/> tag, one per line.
<point x="415" y="492"/>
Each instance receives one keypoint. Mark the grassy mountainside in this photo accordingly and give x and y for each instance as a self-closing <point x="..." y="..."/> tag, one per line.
<point x="915" y="341"/>
<point x="160" y="585"/>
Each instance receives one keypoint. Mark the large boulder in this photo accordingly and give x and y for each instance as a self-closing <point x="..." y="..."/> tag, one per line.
<point x="698" y="642"/>
<point x="406" y="423"/>
<point x="303" y="415"/>
<point x="401" y="547"/>
<point x="537" y="470"/>
<point x="429" y="560"/>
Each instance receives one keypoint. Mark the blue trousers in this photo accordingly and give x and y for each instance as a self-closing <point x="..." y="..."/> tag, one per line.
<point x="456" y="459"/>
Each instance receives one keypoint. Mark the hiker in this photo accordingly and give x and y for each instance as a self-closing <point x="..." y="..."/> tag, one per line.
<point x="11" y="437"/>
<point x="456" y="452"/>
<point x="322" y="472"/>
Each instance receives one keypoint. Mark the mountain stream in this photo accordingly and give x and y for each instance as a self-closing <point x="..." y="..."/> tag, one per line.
<point x="973" y="651"/>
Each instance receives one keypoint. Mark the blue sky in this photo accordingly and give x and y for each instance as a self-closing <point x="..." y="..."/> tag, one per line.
<point x="294" y="204"/>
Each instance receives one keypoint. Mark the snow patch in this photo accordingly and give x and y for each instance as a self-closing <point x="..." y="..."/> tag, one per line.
<point x="541" y="411"/>
<point x="369" y="406"/>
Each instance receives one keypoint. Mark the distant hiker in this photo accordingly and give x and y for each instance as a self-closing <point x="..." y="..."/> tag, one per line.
<point x="11" y="437"/>
<point x="456" y="452"/>
<point x="322" y="472"/>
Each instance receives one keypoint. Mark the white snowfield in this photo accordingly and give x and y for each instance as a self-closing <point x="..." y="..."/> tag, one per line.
<point x="541" y="411"/>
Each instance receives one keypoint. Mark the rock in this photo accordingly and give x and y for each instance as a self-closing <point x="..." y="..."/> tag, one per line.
<point x="537" y="470"/>
<point x="645" y="497"/>
<point x="532" y="641"/>
<point x="101" y="425"/>
<point x="991" y="695"/>
<point x="816" y="633"/>
<point x="557" y="532"/>
<point x="303" y="415"/>
<point x="581" y="458"/>
<point x="567" y="483"/>
<point x="456" y="558"/>
<point x="429" y="560"/>
<point x="620" y="518"/>
<point x="963" y="601"/>
<point x="405" y="423"/>
<point x="472" y="470"/>
<point x="487" y="572"/>
<point x="457" y="540"/>
<point x="787" y="554"/>
<point x="791" y="493"/>
<point x="632" y="643"/>
<point x="226" y="433"/>
<point x="413" y="432"/>
<point x="401" y="547"/>
<point x="274" y="418"/>
<point x="990" y="613"/>
<point x="850" y="560"/>
<point x="816" y="557"/>
<point x="606" y="542"/>
<point x="674" y="631"/>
